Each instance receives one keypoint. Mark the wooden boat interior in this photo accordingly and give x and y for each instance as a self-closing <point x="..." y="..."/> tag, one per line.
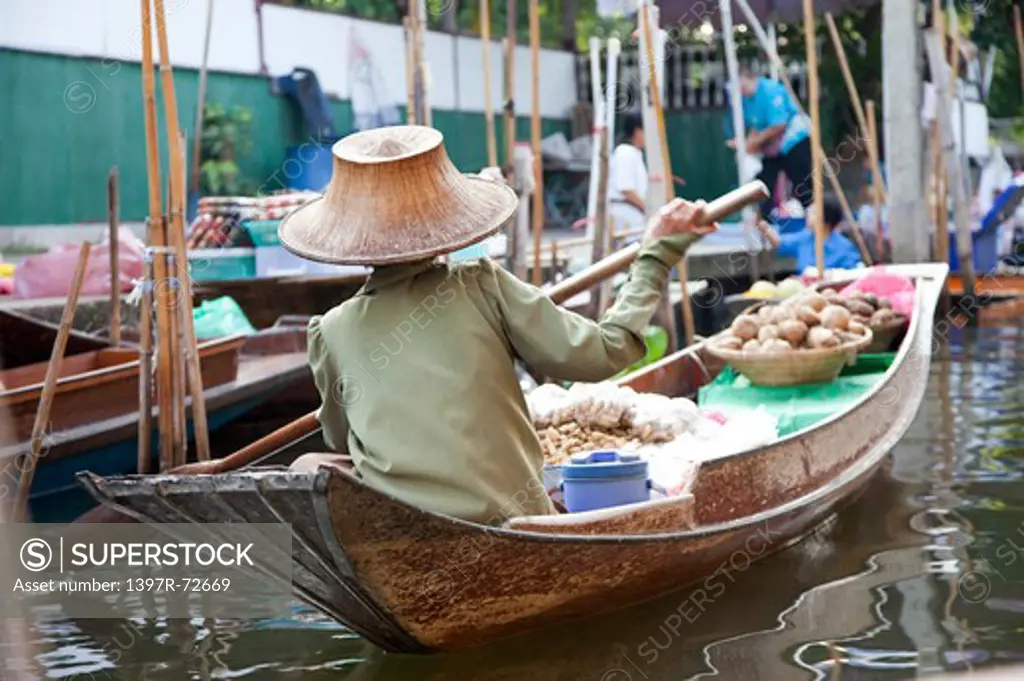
<point x="98" y="385"/>
<point x="26" y="340"/>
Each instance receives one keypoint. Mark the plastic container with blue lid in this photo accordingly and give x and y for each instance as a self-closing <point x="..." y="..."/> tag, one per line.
<point x="604" y="479"/>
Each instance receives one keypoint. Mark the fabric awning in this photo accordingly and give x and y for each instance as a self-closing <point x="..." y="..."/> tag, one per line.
<point x="694" y="13"/>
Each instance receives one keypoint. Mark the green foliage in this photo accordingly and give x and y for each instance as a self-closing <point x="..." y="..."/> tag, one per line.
<point x="226" y="136"/>
<point x="994" y="27"/>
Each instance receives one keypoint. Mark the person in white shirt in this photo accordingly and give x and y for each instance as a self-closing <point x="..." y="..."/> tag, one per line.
<point x="627" y="179"/>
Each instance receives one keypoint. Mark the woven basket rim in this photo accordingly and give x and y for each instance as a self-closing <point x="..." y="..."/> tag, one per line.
<point x="802" y="354"/>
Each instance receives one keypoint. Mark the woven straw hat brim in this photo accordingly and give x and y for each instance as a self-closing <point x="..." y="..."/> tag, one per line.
<point x="344" y="230"/>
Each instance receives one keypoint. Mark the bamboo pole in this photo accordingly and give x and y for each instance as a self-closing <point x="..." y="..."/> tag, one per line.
<point x="939" y="69"/>
<point x="939" y="194"/>
<point x="773" y="56"/>
<point x="876" y="194"/>
<point x="858" y="108"/>
<point x="197" y="143"/>
<point x="410" y="75"/>
<point x="554" y="262"/>
<point x="659" y="114"/>
<point x="157" y="241"/>
<point x="115" y="265"/>
<point x="485" y="39"/>
<point x="421" y="30"/>
<point x="600" y="232"/>
<point x="817" y="155"/>
<point x="510" y="91"/>
<point x="177" y="229"/>
<point x="145" y="434"/>
<point x="1018" y="31"/>
<point x="50" y="384"/>
<point x="538" y="163"/>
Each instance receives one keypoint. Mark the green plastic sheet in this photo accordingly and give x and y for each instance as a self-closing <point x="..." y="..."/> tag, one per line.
<point x="656" y="342"/>
<point x="220" y="317"/>
<point x="796" y="407"/>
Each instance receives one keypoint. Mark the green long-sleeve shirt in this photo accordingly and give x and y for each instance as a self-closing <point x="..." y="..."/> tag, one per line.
<point x="418" y="380"/>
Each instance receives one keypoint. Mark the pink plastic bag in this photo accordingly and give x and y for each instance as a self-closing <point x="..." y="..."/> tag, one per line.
<point x="49" y="275"/>
<point x="896" y="287"/>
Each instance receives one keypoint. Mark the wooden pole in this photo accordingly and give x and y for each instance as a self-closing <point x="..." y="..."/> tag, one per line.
<point x="939" y="188"/>
<point x="485" y="40"/>
<point x="157" y="241"/>
<point x="554" y="262"/>
<point x="177" y="229"/>
<point x="410" y="72"/>
<point x="600" y="233"/>
<point x="1018" y="31"/>
<point x="510" y="91"/>
<point x="961" y="216"/>
<point x="817" y="155"/>
<point x="876" y="194"/>
<point x="145" y="434"/>
<point x="197" y="143"/>
<point x="115" y="265"/>
<point x="659" y="114"/>
<point x="50" y="384"/>
<point x="858" y="109"/>
<point x="421" y="62"/>
<point x="538" y="163"/>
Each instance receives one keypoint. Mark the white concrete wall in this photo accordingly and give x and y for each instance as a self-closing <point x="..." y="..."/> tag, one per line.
<point x="292" y="37"/>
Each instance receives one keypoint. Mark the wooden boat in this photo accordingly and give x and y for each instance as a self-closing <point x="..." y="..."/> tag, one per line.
<point x="27" y="340"/>
<point x="94" y="421"/>
<point x="414" y="581"/>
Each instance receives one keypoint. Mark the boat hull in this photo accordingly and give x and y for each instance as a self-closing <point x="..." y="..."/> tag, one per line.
<point x="414" y="581"/>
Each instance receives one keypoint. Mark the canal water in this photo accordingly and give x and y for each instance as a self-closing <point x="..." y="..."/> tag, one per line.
<point x="925" y="572"/>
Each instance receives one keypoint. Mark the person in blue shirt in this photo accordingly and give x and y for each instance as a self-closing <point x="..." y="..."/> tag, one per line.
<point x="778" y="132"/>
<point x="840" y="252"/>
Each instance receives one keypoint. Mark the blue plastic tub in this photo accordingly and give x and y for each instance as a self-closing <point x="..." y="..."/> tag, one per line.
<point x="604" y="479"/>
<point x="984" y="248"/>
<point x="308" y="166"/>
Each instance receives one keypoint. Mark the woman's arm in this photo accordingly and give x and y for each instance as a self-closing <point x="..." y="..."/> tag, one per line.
<point x="567" y="346"/>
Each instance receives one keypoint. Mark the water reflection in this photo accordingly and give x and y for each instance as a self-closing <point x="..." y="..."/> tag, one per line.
<point x="922" y="573"/>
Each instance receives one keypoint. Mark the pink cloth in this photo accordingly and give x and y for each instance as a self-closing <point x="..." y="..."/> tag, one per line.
<point x="896" y="287"/>
<point x="49" y="275"/>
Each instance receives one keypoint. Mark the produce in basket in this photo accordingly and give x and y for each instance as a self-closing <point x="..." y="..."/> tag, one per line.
<point x="809" y="320"/>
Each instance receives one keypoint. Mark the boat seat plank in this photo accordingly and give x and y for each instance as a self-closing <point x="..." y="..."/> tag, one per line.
<point x="671" y="514"/>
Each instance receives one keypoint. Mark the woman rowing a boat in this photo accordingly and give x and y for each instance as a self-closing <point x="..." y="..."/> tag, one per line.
<point x="417" y="371"/>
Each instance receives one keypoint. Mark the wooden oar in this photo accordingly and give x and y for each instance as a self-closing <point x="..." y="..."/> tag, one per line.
<point x="303" y="427"/>
<point x="50" y="384"/>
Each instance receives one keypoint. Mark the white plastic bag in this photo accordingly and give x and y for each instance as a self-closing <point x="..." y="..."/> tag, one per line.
<point x="670" y="467"/>
<point x="550" y="405"/>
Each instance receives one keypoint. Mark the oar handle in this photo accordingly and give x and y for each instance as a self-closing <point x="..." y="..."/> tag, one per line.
<point x="722" y="207"/>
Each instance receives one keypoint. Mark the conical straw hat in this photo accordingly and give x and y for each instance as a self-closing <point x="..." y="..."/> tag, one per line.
<point x="395" y="197"/>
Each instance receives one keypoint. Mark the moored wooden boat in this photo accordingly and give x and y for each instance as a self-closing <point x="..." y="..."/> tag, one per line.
<point x="414" y="581"/>
<point x="94" y="422"/>
<point x="26" y="340"/>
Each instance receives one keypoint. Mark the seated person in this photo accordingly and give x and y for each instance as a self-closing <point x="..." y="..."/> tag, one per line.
<point x="840" y="251"/>
<point x="417" y="371"/>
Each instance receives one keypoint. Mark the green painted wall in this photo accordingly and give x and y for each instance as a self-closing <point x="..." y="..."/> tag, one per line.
<point x="65" y="121"/>
<point x="696" y="142"/>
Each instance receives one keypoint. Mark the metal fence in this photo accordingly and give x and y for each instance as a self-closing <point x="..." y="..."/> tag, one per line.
<point x="695" y="77"/>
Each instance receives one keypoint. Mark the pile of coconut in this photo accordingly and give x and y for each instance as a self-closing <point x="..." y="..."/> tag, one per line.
<point x="807" y="321"/>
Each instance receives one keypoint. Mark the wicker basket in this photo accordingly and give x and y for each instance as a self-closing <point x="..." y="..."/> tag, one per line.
<point x="795" y="368"/>
<point x="886" y="335"/>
